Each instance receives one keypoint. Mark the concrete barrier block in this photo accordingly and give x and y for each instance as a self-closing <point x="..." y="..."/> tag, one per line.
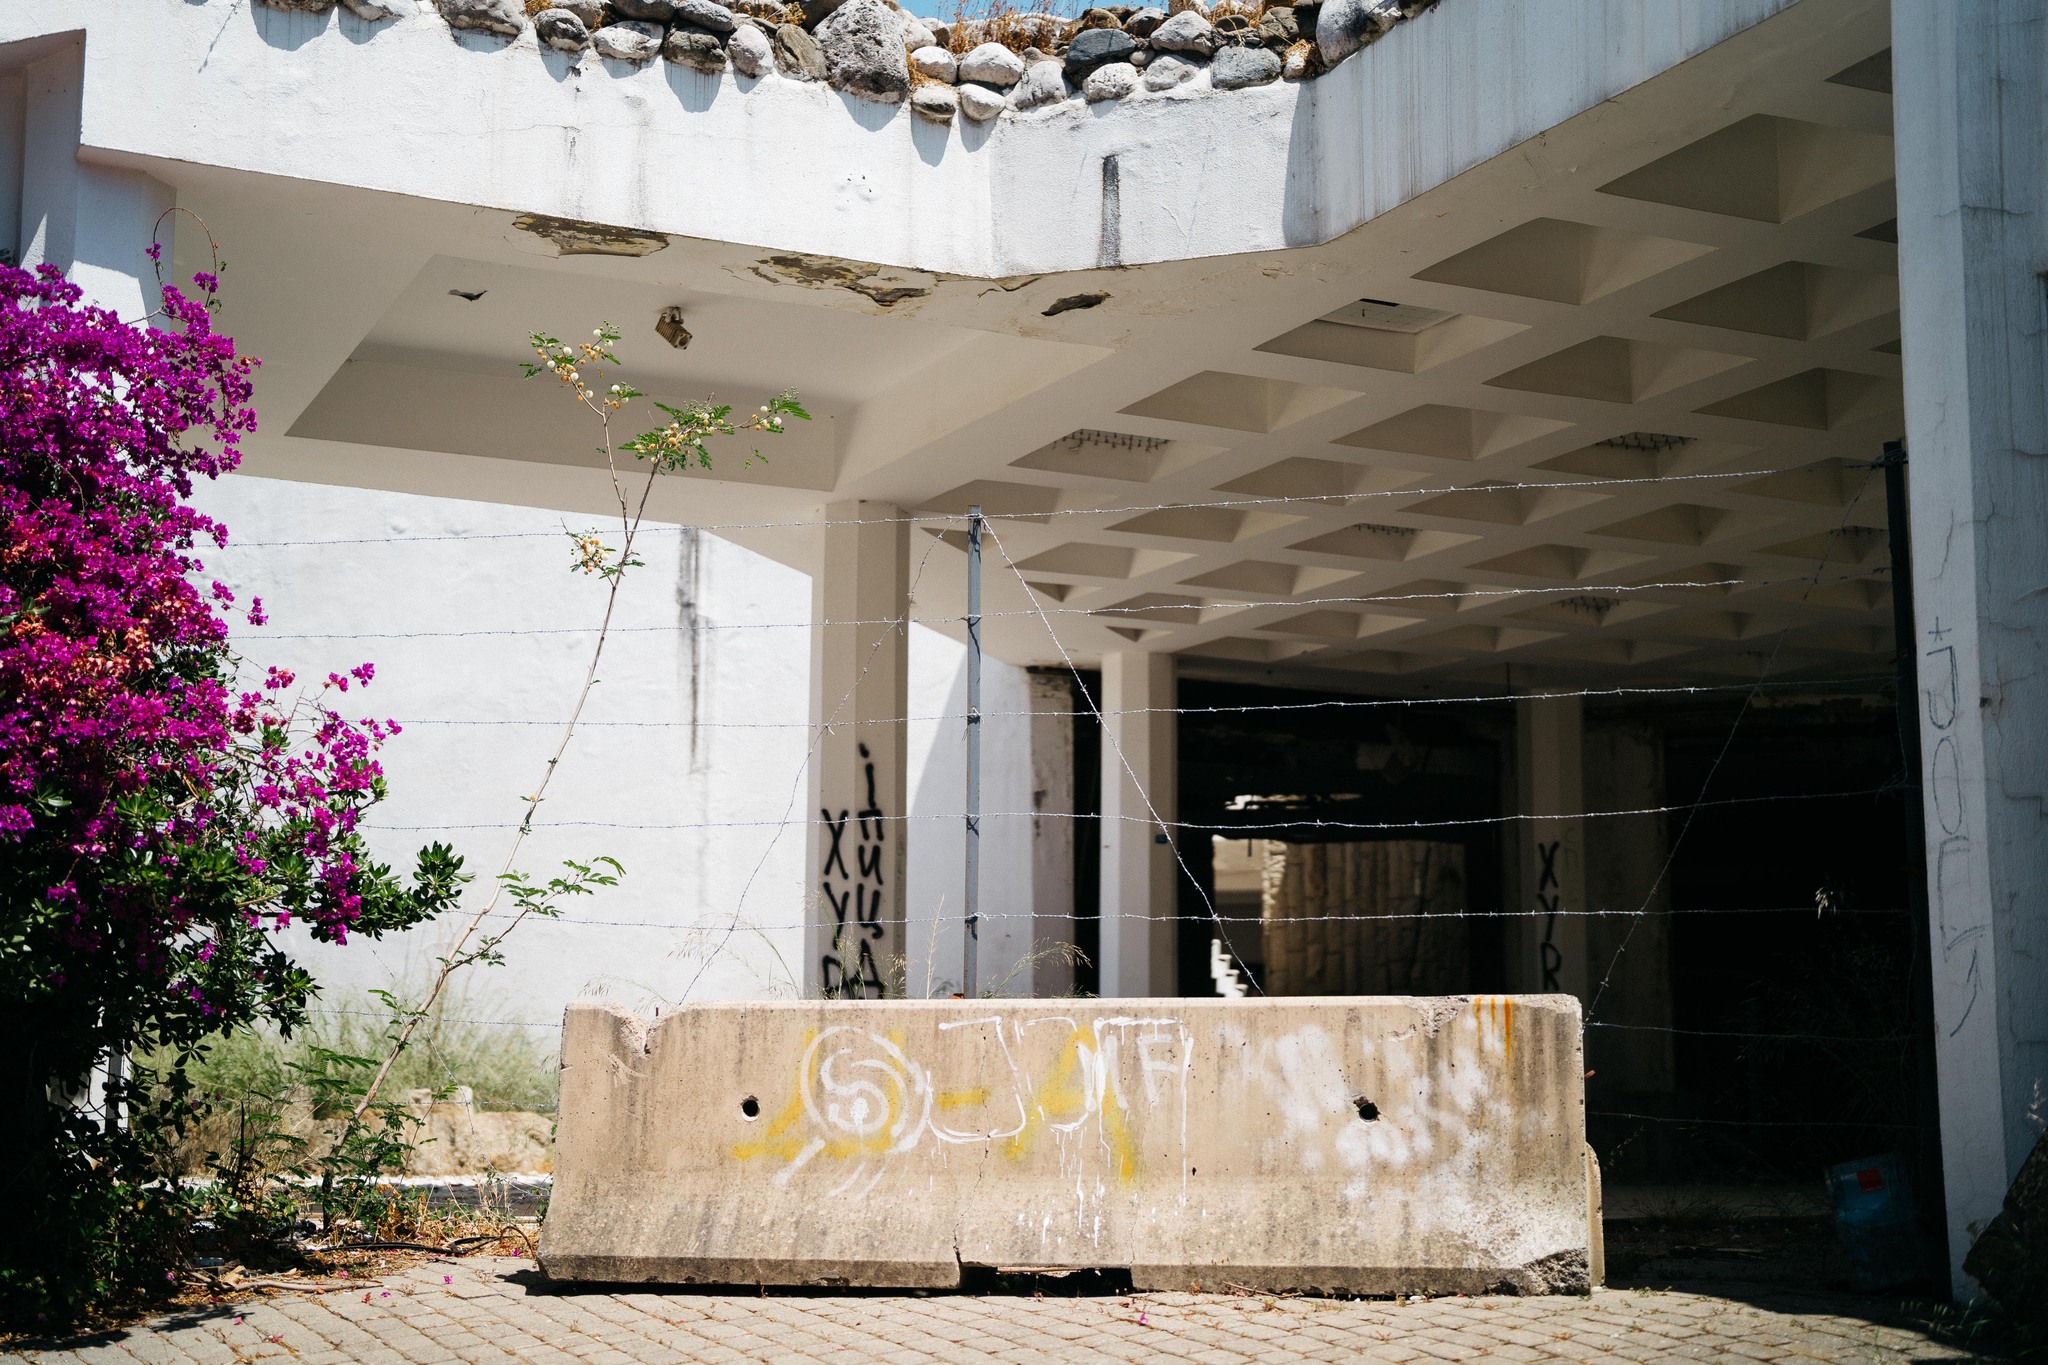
<point x="1365" y="1145"/>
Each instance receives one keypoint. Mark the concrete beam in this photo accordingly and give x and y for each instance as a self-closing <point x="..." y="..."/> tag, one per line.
<point x="860" y="669"/>
<point x="1969" y="88"/>
<point x="93" y="222"/>
<point x="1366" y="1146"/>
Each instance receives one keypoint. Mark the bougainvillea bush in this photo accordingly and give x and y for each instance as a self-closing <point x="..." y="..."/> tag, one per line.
<point x="165" y="809"/>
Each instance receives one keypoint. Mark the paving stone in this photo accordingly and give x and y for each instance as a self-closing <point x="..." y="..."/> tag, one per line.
<point x="486" y="1318"/>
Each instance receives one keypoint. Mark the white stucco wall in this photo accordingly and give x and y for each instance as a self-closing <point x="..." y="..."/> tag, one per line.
<point x="638" y="760"/>
<point x="698" y="722"/>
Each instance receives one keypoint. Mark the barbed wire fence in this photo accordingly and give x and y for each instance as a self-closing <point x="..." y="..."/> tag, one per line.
<point x="720" y="932"/>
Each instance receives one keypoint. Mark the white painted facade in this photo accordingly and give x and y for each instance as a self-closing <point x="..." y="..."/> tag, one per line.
<point x="1608" y="202"/>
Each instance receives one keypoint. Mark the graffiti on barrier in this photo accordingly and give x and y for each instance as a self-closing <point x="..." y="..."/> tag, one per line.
<point x="859" y="1094"/>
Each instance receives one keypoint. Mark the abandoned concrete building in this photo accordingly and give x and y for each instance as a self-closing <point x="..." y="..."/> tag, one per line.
<point x="1549" y="501"/>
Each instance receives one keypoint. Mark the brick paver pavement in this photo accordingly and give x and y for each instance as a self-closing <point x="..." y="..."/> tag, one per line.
<point x="484" y="1310"/>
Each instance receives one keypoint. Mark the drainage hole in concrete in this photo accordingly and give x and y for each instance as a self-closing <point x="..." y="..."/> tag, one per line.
<point x="1367" y="1110"/>
<point x="750" y="1107"/>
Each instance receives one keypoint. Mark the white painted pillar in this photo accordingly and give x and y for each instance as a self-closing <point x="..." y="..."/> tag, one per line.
<point x="1973" y="241"/>
<point x="1140" y="886"/>
<point x="859" y="680"/>
<point x="94" y="222"/>
<point x="1550" y="748"/>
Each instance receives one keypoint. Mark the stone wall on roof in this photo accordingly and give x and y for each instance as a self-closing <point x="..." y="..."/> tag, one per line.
<point x="1008" y="64"/>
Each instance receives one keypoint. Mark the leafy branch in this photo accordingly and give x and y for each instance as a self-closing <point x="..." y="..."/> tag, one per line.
<point x="589" y="372"/>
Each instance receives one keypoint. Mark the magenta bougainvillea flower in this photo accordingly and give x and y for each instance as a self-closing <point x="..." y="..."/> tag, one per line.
<point x="165" y="809"/>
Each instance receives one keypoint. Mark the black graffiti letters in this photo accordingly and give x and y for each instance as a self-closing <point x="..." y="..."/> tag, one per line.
<point x="835" y="830"/>
<point x="1550" y="899"/>
<point x="849" y="968"/>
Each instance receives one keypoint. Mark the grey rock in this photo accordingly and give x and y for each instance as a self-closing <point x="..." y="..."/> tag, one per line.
<point x="1234" y="28"/>
<point x="935" y="62"/>
<point x="1141" y="22"/>
<point x="1278" y="28"/>
<point x="1236" y="67"/>
<point x="302" y="6"/>
<point x="1166" y="71"/>
<point x="632" y="41"/>
<point x="706" y="15"/>
<point x="864" y="51"/>
<point x="980" y="103"/>
<point x="816" y="11"/>
<point x="1299" y="62"/>
<point x="992" y="64"/>
<point x="504" y="17"/>
<point x="591" y="12"/>
<point x="1093" y="47"/>
<point x="1185" y="32"/>
<point x="797" y="54"/>
<point x="1344" y="26"/>
<point x="942" y="34"/>
<point x="374" y="10"/>
<point x="1044" y="83"/>
<point x="934" y="103"/>
<point x="917" y="34"/>
<point x="695" y="48"/>
<point x="1142" y="58"/>
<point x="1110" y="81"/>
<point x="561" y="30"/>
<point x="751" y="52"/>
<point x="648" y="11"/>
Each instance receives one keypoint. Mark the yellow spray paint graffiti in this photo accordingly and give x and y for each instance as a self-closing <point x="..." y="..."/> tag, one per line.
<point x="859" y="1095"/>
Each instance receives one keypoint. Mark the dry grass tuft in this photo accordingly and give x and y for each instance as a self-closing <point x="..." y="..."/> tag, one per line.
<point x="975" y="22"/>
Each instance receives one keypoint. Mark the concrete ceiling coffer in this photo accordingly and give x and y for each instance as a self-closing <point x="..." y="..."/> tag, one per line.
<point x="1799" y="300"/>
<point x="1301" y="476"/>
<point x="1375" y="541"/>
<point x="1349" y="336"/>
<point x="1617" y="370"/>
<point x="1567" y="563"/>
<point x="1820" y="398"/>
<point x="1114" y="455"/>
<point x="1564" y="262"/>
<point x="1239" y="402"/>
<point x="1764" y="168"/>
<point x="1452" y="433"/>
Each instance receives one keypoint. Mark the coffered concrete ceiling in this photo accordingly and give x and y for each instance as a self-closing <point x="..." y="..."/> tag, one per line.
<point x="1598" y="408"/>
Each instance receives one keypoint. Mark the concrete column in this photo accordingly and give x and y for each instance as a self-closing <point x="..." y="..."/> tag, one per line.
<point x="1973" y="241"/>
<point x="859" y="679"/>
<point x="1549" y="747"/>
<point x="94" y="222"/>
<point x="1052" y="830"/>
<point x="1631" y="951"/>
<point x="1139" y="874"/>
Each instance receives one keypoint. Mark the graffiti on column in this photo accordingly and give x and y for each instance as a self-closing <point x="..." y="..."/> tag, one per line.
<point x="1954" y="901"/>
<point x="1549" y="898"/>
<point x="853" y="892"/>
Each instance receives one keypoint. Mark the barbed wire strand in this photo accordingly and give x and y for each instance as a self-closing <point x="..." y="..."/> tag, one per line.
<point x="1109" y="737"/>
<point x="1337" y="703"/>
<point x="1748" y="701"/>
<point x="1152" y="819"/>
